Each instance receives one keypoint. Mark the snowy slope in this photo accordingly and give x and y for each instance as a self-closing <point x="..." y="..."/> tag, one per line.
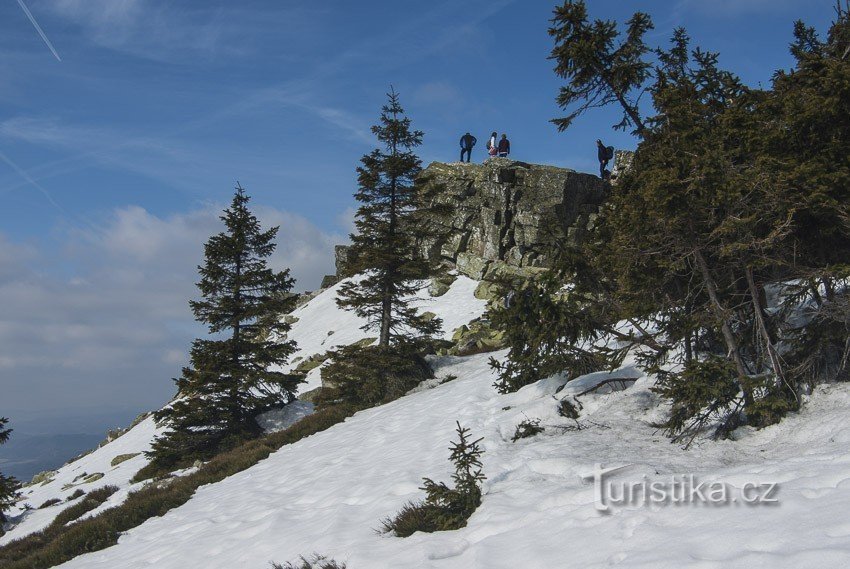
<point x="328" y="492"/>
<point x="70" y="478"/>
<point x="321" y="326"/>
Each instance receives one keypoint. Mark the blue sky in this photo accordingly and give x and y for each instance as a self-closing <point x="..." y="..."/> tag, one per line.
<point x="115" y="160"/>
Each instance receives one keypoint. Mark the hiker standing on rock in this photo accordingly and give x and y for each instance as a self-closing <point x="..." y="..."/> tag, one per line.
<point x="604" y="154"/>
<point x="492" y="144"/>
<point x="504" y="146"/>
<point x="467" y="141"/>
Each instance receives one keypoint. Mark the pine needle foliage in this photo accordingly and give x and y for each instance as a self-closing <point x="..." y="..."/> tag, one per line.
<point x="527" y="428"/>
<point x="373" y="375"/>
<point x="600" y="67"/>
<point x="385" y="249"/>
<point x="734" y="281"/>
<point x="231" y="377"/>
<point x="445" y="508"/>
<point x="8" y="485"/>
<point x="547" y="333"/>
<point x="316" y="561"/>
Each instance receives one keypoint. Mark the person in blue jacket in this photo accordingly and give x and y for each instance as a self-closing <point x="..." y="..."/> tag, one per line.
<point x="467" y="142"/>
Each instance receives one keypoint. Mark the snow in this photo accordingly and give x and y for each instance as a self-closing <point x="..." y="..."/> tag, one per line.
<point x="136" y="440"/>
<point x="323" y="326"/>
<point x="330" y="491"/>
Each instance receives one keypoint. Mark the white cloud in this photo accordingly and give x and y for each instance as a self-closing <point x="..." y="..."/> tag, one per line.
<point x="345" y="220"/>
<point x="111" y="321"/>
<point x="141" y="27"/>
<point x="184" y="32"/>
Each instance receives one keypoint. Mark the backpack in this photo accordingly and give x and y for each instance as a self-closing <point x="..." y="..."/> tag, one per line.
<point x="609" y="152"/>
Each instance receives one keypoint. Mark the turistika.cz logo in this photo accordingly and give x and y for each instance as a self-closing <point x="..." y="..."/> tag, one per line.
<point x="677" y="489"/>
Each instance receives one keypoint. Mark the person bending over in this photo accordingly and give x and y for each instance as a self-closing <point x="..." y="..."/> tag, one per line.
<point x="467" y="142"/>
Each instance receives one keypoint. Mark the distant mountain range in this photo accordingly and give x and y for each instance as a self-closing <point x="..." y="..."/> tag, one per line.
<point x="26" y="455"/>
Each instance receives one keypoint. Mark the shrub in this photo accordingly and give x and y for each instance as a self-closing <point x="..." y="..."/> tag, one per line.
<point x="445" y="508"/>
<point x="34" y="550"/>
<point x="527" y="428"/>
<point x="413" y="517"/>
<point x="315" y="562"/>
<point x="50" y="502"/>
<point x="45" y="477"/>
<point x="366" y="376"/>
<point x="567" y="409"/>
<point x="89" y="503"/>
<point x="76" y="494"/>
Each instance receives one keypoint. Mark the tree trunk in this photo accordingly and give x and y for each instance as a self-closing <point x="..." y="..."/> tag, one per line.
<point x="237" y="330"/>
<point x="720" y="313"/>
<point x="772" y="354"/>
<point x="828" y="288"/>
<point x="386" y="318"/>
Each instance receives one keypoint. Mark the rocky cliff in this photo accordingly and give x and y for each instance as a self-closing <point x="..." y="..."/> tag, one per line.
<point x="506" y="216"/>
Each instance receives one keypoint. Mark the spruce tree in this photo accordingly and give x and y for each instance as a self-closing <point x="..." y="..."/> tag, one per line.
<point x="231" y="377"/>
<point x="385" y="248"/>
<point x="8" y="485"/>
<point x="599" y="66"/>
<point x="445" y="508"/>
<point x="807" y="167"/>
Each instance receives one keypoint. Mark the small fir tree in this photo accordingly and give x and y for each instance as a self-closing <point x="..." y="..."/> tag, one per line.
<point x="8" y="485"/>
<point x="231" y="377"/>
<point x="446" y="508"/>
<point x="385" y="248"/>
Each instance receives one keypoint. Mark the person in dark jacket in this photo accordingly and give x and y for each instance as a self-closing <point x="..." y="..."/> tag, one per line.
<point x="603" y="153"/>
<point x="467" y="141"/>
<point x="504" y="146"/>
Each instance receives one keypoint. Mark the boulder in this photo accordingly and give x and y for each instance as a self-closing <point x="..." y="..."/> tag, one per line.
<point x="440" y="285"/>
<point x="328" y="281"/>
<point x="472" y="265"/>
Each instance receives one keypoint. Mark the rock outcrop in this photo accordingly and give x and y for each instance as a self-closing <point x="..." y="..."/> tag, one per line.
<point x="622" y="162"/>
<point x="508" y="215"/>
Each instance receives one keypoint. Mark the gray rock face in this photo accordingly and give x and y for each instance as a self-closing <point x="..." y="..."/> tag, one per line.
<point x="622" y="163"/>
<point x="509" y="211"/>
<point x="328" y="281"/>
<point x="341" y="258"/>
<point x="507" y="217"/>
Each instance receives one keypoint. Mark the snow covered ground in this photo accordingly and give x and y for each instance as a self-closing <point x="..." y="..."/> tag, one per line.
<point x="72" y="477"/>
<point x="329" y="492"/>
<point x="321" y="326"/>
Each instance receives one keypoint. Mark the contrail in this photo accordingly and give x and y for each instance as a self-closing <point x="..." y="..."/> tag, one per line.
<point x="38" y="29"/>
<point x="32" y="182"/>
